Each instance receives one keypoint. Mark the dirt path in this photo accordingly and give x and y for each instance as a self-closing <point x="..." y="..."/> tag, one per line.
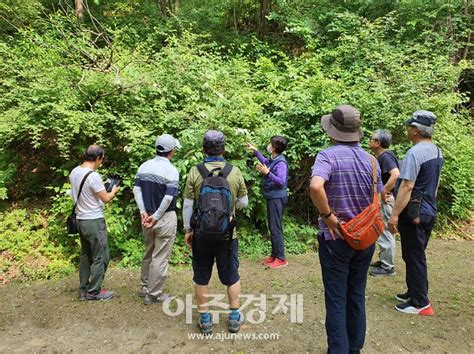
<point x="48" y="317"/>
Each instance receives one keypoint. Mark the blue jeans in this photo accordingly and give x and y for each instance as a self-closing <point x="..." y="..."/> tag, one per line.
<point x="275" y="208"/>
<point x="344" y="271"/>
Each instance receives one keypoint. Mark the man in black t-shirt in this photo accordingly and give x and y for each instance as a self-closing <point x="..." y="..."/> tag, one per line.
<point x="379" y="144"/>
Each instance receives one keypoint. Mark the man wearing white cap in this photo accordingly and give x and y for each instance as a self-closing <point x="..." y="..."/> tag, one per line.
<point x="156" y="189"/>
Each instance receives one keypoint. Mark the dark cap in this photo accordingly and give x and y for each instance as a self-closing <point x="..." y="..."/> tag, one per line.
<point x="343" y="124"/>
<point x="213" y="138"/>
<point x="425" y="118"/>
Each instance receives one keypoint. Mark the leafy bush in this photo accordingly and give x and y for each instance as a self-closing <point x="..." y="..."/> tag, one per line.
<point x="26" y="250"/>
<point x="121" y="82"/>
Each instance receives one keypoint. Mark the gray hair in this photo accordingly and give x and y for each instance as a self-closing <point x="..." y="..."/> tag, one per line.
<point x="384" y="137"/>
<point x="425" y="131"/>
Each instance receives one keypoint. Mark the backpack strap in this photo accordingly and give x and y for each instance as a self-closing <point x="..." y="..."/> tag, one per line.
<point x="226" y="170"/>
<point x="203" y="171"/>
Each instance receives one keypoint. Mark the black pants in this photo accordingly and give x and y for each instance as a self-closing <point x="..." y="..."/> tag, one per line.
<point x="275" y="208"/>
<point x="414" y="241"/>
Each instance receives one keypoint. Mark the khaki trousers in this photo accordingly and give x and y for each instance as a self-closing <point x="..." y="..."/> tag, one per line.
<point x="159" y="241"/>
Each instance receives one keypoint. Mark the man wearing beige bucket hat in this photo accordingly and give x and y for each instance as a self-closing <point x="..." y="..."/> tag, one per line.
<point x="341" y="188"/>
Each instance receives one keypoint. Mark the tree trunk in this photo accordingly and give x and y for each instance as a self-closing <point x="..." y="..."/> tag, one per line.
<point x="176" y="6"/>
<point x="262" y="22"/>
<point x="469" y="33"/>
<point x="79" y="9"/>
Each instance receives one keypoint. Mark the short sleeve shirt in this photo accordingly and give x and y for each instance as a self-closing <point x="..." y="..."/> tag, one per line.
<point x="235" y="179"/>
<point x="89" y="206"/>
<point x="422" y="165"/>
<point x="387" y="161"/>
<point x="347" y="170"/>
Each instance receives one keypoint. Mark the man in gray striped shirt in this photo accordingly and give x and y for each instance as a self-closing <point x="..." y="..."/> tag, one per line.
<point x="156" y="189"/>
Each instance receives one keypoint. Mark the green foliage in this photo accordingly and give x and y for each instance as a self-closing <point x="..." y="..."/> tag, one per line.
<point x="27" y="251"/>
<point x="136" y="74"/>
<point x="298" y="238"/>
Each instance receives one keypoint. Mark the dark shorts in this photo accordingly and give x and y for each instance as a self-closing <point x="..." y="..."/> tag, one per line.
<point x="226" y="255"/>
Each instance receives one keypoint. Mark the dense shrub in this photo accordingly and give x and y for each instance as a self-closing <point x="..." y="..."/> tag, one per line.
<point x="123" y="81"/>
<point x="26" y="250"/>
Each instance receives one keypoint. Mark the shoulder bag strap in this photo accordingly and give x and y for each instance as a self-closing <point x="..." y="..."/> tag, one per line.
<point x="374" y="177"/>
<point x="80" y="189"/>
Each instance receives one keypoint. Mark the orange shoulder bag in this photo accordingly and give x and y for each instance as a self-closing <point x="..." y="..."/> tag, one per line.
<point x="362" y="231"/>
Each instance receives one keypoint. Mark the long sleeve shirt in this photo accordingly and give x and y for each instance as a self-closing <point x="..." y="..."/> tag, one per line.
<point x="279" y="173"/>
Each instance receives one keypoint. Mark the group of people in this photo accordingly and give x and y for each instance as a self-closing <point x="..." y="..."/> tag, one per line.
<point x="341" y="187"/>
<point x="156" y="190"/>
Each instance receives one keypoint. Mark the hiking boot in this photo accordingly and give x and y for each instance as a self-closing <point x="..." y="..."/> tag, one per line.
<point x="234" y="325"/>
<point x="278" y="263"/>
<point x="403" y="298"/>
<point x="411" y="309"/>
<point x="268" y="260"/>
<point x="376" y="264"/>
<point x="82" y="295"/>
<point x="149" y="299"/>
<point x="206" y="327"/>
<point x="381" y="272"/>
<point x="103" y="295"/>
<point x="142" y="292"/>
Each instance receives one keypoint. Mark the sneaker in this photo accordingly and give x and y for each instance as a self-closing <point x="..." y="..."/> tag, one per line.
<point x="149" y="299"/>
<point x="403" y="298"/>
<point x="82" y="295"/>
<point x="103" y="295"/>
<point x="278" y="263"/>
<point x="234" y="325"/>
<point x="409" y="308"/>
<point x="142" y="292"/>
<point x="376" y="264"/>
<point x="268" y="260"/>
<point x="165" y="297"/>
<point x="206" y="327"/>
<point x="381" y="272"/>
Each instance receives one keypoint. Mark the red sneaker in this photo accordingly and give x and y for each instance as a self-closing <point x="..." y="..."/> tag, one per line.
<point x="278" y="263"/>
<point x="413" y="310"/>
<point x="268" y="260"/>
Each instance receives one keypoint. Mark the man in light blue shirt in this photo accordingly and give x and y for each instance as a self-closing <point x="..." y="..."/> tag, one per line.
<point x="419" y="179"/>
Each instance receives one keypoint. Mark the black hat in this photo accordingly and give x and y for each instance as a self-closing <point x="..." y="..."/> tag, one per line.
<point x="213" y="138"/>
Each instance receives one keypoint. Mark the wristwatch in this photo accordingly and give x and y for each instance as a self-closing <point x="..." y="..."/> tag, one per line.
<point x="325" y="216"/>
<point x="187" y="231"/>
